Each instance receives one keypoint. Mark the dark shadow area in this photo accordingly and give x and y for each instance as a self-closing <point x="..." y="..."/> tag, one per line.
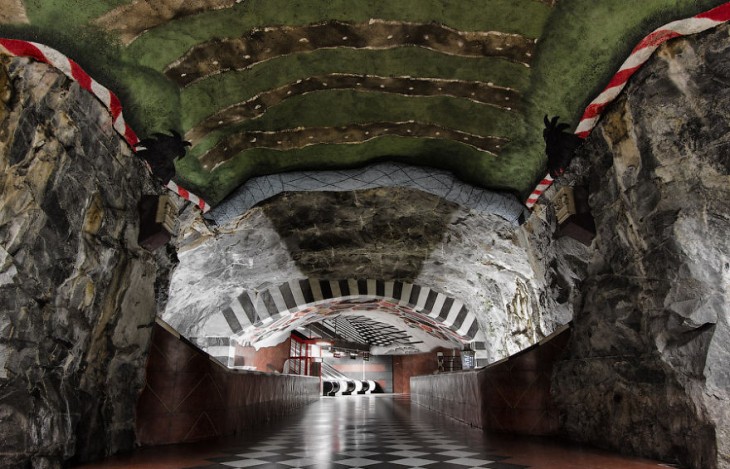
<point x="382" y="233"/>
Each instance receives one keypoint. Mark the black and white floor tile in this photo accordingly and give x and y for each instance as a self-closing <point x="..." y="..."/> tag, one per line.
<point x="368" y="432"/>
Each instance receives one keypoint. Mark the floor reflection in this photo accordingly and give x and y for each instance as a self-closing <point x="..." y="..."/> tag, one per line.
<point x="372" y="432"/>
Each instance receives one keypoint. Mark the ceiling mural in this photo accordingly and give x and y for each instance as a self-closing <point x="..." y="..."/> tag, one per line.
<point x="263" y="87"/>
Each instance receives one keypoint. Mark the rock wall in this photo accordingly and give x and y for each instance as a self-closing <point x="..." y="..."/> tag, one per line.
<point x="521" y="282"/>
<point x="216" y="266"/>
<point x="648" y="367"/>
<point x="77" y="293"/>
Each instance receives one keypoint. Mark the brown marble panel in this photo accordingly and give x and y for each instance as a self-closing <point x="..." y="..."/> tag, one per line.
<point x="187" y="427"/>
<point x="189" y="397"/>
<point x="268" y="359"/>
<point x="456" y="394"/>
<point x="199" y="394"/>
<point x="407" y="366"/>
<point x="154" y="431"/>
<point x="512" y="396"/>
<point x="161" y="388"/>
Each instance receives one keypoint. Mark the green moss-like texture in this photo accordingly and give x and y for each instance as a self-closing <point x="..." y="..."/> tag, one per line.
<point x="464" y="161"/>
<point x="52" y="13"/>
<point x="219" y="91"/>
<point x="580" y="44"/>
<point x="163" y="45"/>
<point x="342" y="107"/>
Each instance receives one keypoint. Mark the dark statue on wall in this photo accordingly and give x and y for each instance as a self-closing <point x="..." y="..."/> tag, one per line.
<point x="160" y="151"/>
<point x="560" y="146"/>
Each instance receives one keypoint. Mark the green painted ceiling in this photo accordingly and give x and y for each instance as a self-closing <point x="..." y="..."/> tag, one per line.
<point x="264" y="86"/>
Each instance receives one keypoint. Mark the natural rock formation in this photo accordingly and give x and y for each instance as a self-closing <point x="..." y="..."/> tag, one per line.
<point x="520" y="281"/>
<point x="77" y="298"/>
<point x="507" y="275"/>
<point x="378" y="233"/>
<point x="648" y="366"/>
<point x="216" y="266"/>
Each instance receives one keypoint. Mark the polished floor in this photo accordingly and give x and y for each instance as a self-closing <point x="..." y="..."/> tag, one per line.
<point x="373" y="432"/>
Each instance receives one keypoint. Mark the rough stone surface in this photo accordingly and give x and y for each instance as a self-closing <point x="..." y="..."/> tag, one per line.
<point x="520" y="281"/>
<point x="77" y="293"/>
<point x="648" y="367"/>
<point x="378" y="233"/>
<point x="507" y="275"/>
<point x="216" y="266"/>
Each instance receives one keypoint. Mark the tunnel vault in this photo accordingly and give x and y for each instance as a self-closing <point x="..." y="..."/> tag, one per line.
<point x="472" y="277"/>
<point x="634" y="342"/>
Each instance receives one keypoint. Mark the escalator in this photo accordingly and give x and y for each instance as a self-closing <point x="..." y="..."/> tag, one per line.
<point x="335" y="383"/>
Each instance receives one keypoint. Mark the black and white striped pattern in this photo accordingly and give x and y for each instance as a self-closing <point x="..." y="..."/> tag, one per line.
<point x="262" y="307"/>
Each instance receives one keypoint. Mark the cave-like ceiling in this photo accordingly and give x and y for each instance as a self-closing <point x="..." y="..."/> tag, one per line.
<point x="267" y="86"/>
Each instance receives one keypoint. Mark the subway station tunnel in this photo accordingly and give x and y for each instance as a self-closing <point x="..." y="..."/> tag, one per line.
<point x="360" y="260"/>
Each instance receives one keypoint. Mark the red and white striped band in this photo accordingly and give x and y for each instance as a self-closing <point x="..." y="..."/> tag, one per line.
<point x="641" y="53"/>
<point x="72" y="70"/>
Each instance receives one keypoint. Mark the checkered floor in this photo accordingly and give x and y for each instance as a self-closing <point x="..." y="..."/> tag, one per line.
<point x="370" y="432"/>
